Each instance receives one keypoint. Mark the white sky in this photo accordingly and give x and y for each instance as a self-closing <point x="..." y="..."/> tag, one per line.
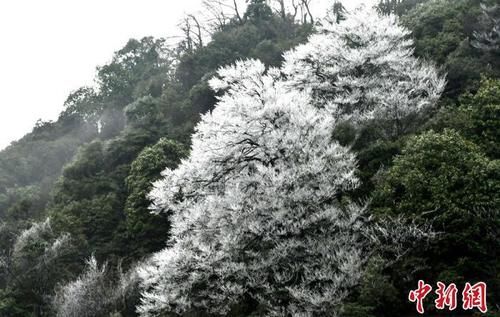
<point x="52" y="47"/>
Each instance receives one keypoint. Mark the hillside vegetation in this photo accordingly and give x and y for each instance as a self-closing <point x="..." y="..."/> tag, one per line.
<point x="287" y="166"/>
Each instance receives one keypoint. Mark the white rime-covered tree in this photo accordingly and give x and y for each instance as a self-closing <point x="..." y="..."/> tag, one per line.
<point x="258" y="210"/>
<point x="363" y="69"/>
<point x="96" y="292"/>
<point x="88" y="295"/>
<point x="487" y="37"/>
<point x="33" y="263"/>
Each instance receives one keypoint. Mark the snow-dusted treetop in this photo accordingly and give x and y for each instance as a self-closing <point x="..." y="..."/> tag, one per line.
<point x="364" y="69"/>
<point x="488" y="36"/>
<point x="257" y="208"/>
<point x="263" y="173"/>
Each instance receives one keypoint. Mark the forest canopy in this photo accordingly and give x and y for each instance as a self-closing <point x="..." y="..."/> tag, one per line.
<point x="271" y="163"/>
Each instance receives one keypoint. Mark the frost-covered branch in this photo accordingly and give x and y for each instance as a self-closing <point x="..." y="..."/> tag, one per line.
<point x="363" y="69"/>
<point x="98" y="291"/>
<point x="488" y="36"/>
<point x="86" y="296"/>
<point x="39" y="242"/>
<point x="258" y="212"/>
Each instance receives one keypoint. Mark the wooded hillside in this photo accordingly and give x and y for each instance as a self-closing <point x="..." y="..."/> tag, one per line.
<point x="271" y="163"/>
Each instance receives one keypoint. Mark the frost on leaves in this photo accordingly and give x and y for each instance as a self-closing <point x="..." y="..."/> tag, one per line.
<point x="258" y="207"/>
<point x="487" y="37"/>
<point x="254" y="205"/>
<point x="364" y="69"/>
<point x="86" y="296"/>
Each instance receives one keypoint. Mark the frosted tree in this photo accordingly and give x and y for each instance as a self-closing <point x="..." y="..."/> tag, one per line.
<point x="98" y="291"/>
<point x="488" y="36"/>
<point x="363" y="69"/>
<point x="35" y="249"/>
<point x="254" y="206"/>
<point x="259" y="212"/>
<point x="33" y="262"/>
<point x="88" y="295"/>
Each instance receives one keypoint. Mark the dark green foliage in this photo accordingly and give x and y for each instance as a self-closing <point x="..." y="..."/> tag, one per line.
<point x="149" y="232"/>
<point x="258" y="11"/>
<point x="442" y="31"/>
<point x="447" y="181"/>
<point x="84" y="104"/>
<point x="373" y="159"/>
<point x="142" y="68"/>
<point x="263" y="35"/>
<point x="440" y="172"/>
<point x="477" y="117"/>
<point x="139" y="69"/>
<point x="482" y="117"/>
<point x="9" y="303"/>
<point x="89" y="200"/>
<point x="28" y="170"/>
<point x="139" y="119"/>
<point x="376" y="295"/>
<point x="144" y="113"/>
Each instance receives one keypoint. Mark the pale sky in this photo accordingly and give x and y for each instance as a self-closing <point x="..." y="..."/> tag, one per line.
<point x="52" y="47"/>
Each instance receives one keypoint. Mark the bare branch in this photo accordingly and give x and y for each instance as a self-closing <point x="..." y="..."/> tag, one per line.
<point x="305" y="4"/>
<point x="198" y="30"/>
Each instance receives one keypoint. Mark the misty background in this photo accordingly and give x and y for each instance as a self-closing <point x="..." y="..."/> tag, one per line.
<point x="52" y="48"/>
